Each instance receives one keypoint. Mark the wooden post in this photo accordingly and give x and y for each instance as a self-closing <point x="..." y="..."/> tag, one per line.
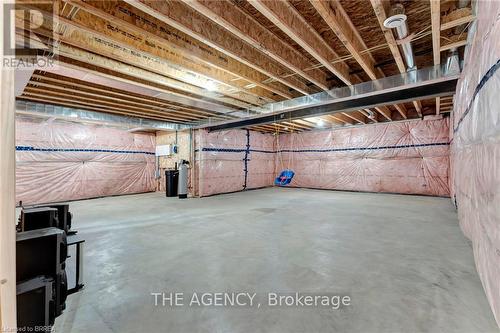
<point x="7" y="196"/>
<point x="7" y="202"/>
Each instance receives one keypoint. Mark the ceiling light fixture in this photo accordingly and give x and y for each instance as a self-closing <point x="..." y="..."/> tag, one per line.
<point x="211" y="86"/>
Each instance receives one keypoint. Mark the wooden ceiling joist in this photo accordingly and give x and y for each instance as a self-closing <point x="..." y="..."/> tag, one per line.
<point x="196" y="73"/>
<point x="435" y="20"/>
<point x="260" y="129"/>
<point x="267" y="128"/>
<point x="120" y="95"/>
<point x="52" y="101"/>
<point x="436" y="36"/>
<point x="65" y="92"/>
<point x="159" y="35"/>
<point x="92" y="60"/>
<point x="286" y="17"/>
<point x="402" y="110"/>
<point x="56" y="95"/>
<point x="384" y="111"/>
<point x="369" y="114"/>
<point x="190" y="22"/>
<point x="285" y="128"/>
<point x="305" y="122"/>
<point x="160" y="90"/>
<point x="174" y="76"/>
<point x="293" y="125"/>
<point x="457" y="18"/>
<point x="357" y="117"/>
<point x="238" y="22"/>
<point x="336" y="18"/>
<point x="235" y="20"/>
<point x="340" y="118"/>
<point x="109" y="97"/>
<point x="453" y="45"/>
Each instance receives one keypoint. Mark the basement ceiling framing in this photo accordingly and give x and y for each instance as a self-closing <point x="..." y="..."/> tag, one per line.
<point x="185" y="61"/>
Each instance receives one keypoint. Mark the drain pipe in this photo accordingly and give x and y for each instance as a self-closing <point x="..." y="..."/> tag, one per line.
<point x="397" y="20"/>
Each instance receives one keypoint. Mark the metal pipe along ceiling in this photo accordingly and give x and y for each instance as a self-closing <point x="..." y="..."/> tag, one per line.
<point x="398" y="21"/>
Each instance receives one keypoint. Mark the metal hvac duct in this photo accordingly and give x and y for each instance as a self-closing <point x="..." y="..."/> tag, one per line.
<point x="425" y="83"/>
<point x="463" y="3"/>
<point x="453" y="61"/>
<point x="79" y="115"/>
<point x="397" y="21"/>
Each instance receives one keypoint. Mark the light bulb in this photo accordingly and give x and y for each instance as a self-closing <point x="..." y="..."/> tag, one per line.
<point x="210" y="86"/>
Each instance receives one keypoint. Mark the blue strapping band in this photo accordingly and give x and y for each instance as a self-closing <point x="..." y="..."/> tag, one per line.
<point x="245" y="159"/>
<point x="231" y="150"/>
<point x="30" y="148"/>
<point x="487" y="76"/>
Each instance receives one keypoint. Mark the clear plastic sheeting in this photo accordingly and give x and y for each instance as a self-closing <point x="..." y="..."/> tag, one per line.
<point x="261" y="160"/>
<point x="59" y="161"/>
<point x="230" y="161"/>
<point x="475" y="149"/>
<point x="409" y="157"/>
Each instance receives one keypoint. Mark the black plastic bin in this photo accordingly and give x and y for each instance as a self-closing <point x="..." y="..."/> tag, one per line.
<point x="171" y="180"/>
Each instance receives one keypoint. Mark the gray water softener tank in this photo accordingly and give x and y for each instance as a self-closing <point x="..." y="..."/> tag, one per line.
<point x="183" y="179"/>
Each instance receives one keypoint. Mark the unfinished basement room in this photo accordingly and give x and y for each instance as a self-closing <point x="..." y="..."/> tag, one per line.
<point x="241" y="166"/>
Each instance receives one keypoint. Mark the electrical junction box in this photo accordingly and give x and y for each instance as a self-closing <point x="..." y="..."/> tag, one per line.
<point x="164" y="150"/>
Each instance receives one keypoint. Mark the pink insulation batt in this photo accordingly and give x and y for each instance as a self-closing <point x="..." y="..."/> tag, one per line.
<point x="475" y="149"/>
<point x="409" y="157"/>
<point x="221" y="161"/>
<point x="406" y="157"/>
<point x="61" y="161"/>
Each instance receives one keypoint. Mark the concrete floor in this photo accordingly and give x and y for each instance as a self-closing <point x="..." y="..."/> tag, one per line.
<point x="402" y="260"/>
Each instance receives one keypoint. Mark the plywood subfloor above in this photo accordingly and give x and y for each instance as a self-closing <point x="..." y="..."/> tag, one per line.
<point x="213" y="59"/>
